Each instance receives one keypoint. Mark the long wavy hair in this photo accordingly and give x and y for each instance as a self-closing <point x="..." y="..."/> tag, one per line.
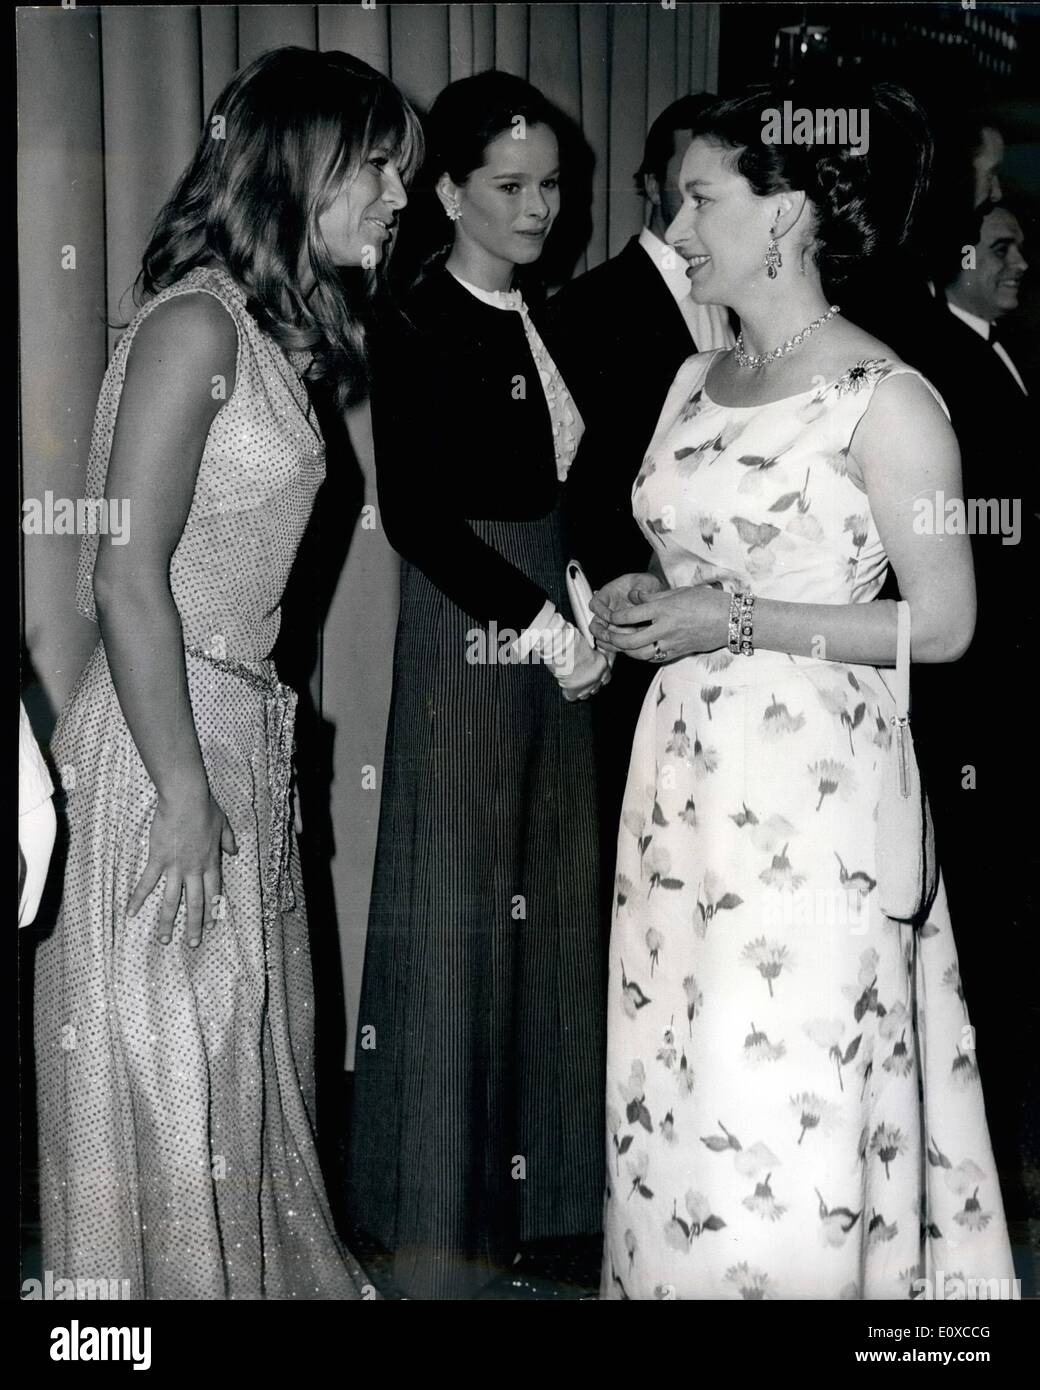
<point x="279" y="143"/>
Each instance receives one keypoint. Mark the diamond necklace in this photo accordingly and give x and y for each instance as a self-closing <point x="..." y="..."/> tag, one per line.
<point x="746" y="359"/>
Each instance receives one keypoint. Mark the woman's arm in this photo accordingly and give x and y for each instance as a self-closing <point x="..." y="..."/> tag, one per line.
<point x="906" y="450"/>
<point x="165" y="412"/>
<point x="413" y="429"/>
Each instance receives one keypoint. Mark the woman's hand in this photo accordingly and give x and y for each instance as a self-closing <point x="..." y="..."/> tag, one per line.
<point x="665" y="625"/>
<point x="626" y="589"/>
<point x="185" y="841"/>
<point x="589" y="673"/>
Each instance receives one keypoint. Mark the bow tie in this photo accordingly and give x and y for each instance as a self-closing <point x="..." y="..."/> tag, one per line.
<point x="994" y="334"/>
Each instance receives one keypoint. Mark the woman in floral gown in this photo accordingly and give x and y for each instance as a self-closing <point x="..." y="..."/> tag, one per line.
<point x="794" y="1108"/>
<point x="174" y="1008"/>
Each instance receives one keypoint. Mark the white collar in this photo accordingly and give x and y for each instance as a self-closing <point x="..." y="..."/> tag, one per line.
<point x="668" y="262"/>
<point x="977" y="325"/>
<point x="498" y="299"/>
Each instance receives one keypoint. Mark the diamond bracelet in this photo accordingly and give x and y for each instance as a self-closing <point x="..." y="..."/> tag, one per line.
<point x="741" y="623"/>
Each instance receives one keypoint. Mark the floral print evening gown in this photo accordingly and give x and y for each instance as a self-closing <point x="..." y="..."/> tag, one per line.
<point x="793" y="1102"/>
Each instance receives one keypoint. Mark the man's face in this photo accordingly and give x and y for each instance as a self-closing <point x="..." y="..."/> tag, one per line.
<point x="988" y="158"/>
<point x="991" y="289"/>
<point x="665" y="194"/>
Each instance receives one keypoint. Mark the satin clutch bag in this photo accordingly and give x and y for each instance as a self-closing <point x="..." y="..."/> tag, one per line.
<point x="579" y="592"/>
<point x="907" y="870"/>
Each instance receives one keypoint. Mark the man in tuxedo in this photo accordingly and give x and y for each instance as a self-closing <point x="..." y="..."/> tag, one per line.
<point x="969" y="359"/>
<point x="619" y="335"/>
<point x="893" y="294"/>
<point x="974" y="722"/>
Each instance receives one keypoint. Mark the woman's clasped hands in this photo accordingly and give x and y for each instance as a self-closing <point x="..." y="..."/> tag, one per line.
<point x="639" y="616"/>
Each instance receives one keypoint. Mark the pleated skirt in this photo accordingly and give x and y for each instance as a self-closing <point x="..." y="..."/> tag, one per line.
<point x="481" y="1035"/>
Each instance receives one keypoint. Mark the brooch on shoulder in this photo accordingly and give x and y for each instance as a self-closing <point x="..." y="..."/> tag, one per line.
<point x="865" y="373"/>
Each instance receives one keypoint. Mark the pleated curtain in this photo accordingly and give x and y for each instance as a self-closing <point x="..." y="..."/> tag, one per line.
<point x="111" y="101"/>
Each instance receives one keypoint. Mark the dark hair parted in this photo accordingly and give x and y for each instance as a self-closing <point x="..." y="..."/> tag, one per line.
<point x="464" y="119"/>
<point x="660" y="138"/>
<point x="864" y="198"/>
<point x="279" y="143"/>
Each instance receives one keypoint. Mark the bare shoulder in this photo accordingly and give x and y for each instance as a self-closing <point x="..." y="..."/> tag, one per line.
<point x="898" y="394"/>
<point x="905" y="399"/>
<point x="832" y="353"/>
<point x="903" y="424"/>
<point x="853" y="343"/>
<point x="192" y="331"/>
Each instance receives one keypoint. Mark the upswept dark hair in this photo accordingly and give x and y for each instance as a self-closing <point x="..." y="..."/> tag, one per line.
<point x="463" y="120"/>
<point x="278" y="144"/>
<point x="863" y="203"/>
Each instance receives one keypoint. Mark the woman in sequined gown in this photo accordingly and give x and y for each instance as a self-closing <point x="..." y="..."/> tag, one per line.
<point x="793" y="1103"/>
<point x="173" y="1000"/>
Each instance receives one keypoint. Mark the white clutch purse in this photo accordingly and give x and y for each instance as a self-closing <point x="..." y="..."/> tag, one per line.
<point x="907" y="871"/>
<point x="579" y="592"/>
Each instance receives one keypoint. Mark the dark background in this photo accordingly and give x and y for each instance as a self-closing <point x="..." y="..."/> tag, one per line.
<point x="950" y="57"/>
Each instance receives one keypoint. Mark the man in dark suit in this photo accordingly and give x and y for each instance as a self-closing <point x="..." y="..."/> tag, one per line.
<point x="994" y="417"/>
<point x="980" y="296"/>
<point x="974" y="721"/>
<point x="619" y="334"/>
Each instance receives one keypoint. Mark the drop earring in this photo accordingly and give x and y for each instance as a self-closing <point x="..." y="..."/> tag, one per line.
<point x="774" y="260"/>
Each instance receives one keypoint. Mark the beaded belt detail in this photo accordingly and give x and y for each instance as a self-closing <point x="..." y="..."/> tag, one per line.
<point x="279" y="724"/>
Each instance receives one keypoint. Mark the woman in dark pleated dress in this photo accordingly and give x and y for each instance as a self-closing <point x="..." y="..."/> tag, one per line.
<point x="480" y="1030"/>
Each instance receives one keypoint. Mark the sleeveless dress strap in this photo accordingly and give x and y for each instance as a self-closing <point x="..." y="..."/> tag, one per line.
<point x="200" y="280"/>
<point x="903" y="369"/>
<point x="859" y="384"/>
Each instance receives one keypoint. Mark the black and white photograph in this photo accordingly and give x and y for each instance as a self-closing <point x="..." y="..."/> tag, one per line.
<point x="527" y="744"/>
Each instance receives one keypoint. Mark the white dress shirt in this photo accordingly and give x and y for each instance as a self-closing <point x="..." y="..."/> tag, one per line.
<point x="981" y="327"/>
<point x="708" y="323"/>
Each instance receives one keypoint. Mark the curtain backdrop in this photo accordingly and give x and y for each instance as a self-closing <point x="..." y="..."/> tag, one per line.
<point x="111" y="101"/>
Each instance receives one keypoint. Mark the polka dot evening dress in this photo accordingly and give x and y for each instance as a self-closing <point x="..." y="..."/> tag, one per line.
<point x="793" y="1103"/>
<point x="175" y="1084"/>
